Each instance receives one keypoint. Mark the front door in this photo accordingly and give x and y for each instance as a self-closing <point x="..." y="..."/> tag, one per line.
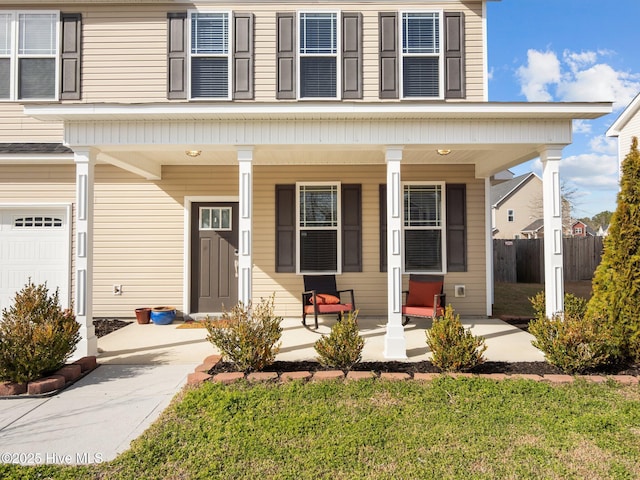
<point x="214" y="256"/>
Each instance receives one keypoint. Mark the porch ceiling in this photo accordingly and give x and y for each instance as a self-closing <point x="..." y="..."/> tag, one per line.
<point x="491" y="136"/>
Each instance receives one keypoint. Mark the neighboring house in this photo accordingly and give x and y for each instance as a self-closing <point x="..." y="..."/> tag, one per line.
<point x="581" y="229"/>
<point x="626" y="126"/>
<point x="199" y="153"/>
<point x="534" y="230"/>
<point x="602" y="231"/>
<point x="515" y="203"/>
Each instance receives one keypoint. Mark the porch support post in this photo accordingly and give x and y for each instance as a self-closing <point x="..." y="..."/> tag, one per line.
<point x="245" y="187"/>
<point x="552" y="207"/>
<point x="83" y="306"/>
<point x="394" y="340"/>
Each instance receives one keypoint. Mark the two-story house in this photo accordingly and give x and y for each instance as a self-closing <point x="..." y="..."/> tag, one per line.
<point x="515" y="204"/>
<point x="200" y="153"/>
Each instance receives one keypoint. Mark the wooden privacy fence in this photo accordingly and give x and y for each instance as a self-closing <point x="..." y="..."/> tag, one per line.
<point x="522" y="260"/>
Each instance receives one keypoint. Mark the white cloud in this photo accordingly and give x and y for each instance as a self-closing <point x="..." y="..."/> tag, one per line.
<point x="591" y="171"/>
<point x="581" y="126"/>
<point x="602" y="144"/>
<point x="577" y="78"/>
<point x="542" y="70"/>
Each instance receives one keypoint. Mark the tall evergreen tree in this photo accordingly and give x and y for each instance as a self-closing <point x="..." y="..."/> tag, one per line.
<point x="616" y="282"/>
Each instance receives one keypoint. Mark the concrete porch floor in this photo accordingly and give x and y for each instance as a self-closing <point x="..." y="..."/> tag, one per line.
<point x="166" y="344"/>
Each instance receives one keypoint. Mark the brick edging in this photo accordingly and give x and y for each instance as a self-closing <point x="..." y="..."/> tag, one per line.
<point x="201" y="375"/>
<point x="47" y="386"/>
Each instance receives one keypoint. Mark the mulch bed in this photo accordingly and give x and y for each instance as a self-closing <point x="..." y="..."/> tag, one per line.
<point x="105" y="326"/>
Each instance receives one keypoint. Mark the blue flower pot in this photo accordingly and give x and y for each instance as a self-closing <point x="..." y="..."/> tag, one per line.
<point x="163" y="316"/>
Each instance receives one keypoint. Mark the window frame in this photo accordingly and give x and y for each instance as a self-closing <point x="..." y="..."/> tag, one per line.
<point x="442" y="227"/>
<point x="337" y="55"/>
<point x="211" y="228"/>
<point x="440" y="55"/>
<point x="511" y="215"/>
<point x="228" y="55"/>
<point x="337" y="227"/>
<point x="15" y="56"/>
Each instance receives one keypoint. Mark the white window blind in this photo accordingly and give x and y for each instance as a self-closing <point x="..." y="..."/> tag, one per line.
<point x="423" y="229"/>
<point x="318" y="55"/>
<point x="421" y="54"/>
<point x="210" y="55"/>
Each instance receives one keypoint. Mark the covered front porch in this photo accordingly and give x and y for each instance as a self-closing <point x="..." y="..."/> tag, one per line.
<point x="173" y="344"/>
<point x="397" y="141"/>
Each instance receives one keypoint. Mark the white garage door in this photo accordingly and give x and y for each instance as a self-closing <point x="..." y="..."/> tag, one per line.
<point x="34" y="243"/>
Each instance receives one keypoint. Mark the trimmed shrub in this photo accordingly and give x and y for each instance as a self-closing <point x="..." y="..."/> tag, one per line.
<point x="342" y="348"/>
<point x="573" y="306"/>
<point x="249" y="337"/>
<point x="37" y="336"/>
<point x="616" y="282"/>
<point x="572" y="343"/>
<point x="454" y="348"/>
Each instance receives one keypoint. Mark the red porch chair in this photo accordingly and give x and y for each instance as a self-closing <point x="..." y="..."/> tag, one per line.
<point x="322" y="297"/>
<point x="425" y="297"/>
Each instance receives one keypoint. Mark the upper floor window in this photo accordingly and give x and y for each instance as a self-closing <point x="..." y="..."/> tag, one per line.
<point x="28" y="55"/>
<point x="318" y="51"/>
<point x="210" y="60"/>
<point x="421" y="62"/>
<point x="510" y="215"/>
<point x="424" y="228"/>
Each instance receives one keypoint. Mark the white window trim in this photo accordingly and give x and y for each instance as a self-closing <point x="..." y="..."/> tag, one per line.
<point x="511" y="215"/>
<point x="338" y="228"/>
<point x="14" y="56"/>
<point x="338" y="56"/>
<point x="439" y="55"/>
<point x="442" y="228"/>
<point x="229" y="55"/>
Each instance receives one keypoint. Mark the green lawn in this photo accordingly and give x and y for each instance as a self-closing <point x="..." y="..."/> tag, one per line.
<point x="449" y="428"/>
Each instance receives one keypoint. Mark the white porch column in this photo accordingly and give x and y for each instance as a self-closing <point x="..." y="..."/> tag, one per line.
<point x="245" y="187"/>
<point x="83" y="307"/>
<point x="394" y="340"/>
<point x="552" y="207"/>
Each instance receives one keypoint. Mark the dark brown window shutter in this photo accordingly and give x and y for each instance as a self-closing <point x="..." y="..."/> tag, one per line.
<point x="286" y="55"/>
<point x="285" y="228"/>
<point x="456" y="227"/>
<point x="351" y="55"/>
<point x="454" y="64"/>
<point x="177" y="55"/>
<point x="383" y="227"/>
<point x="351" y="228"/>
<point x="70" y="56"/>
<point x="388" y="24"/>
<point x="243" y="56"/>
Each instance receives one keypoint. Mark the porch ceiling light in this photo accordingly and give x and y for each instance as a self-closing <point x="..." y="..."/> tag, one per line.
<point x="443" y="151"/>
<point x="193" y="153"/>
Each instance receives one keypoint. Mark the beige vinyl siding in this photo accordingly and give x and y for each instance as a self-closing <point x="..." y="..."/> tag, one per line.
<point x="139" y="230"/>
<point x="139" y="234"/>
<point x="16" y="127"/>
<point x="370" y="285"/>
<point x="124" y="54"/>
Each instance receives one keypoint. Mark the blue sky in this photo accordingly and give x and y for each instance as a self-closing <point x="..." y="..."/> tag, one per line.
<point x="570" y="50"/>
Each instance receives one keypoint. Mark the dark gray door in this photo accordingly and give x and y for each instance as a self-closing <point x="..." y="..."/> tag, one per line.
<point x="214" y="247"/>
